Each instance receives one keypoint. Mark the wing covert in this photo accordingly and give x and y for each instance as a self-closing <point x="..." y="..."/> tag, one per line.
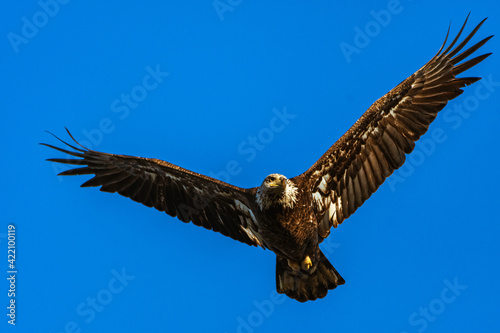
<point x="180" y="193"/>
<point x="377" y="144"/>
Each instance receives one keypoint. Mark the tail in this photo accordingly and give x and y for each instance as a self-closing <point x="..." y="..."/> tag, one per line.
<point x="306" y="285"/>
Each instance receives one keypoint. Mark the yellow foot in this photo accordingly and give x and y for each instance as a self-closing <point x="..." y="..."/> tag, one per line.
<point x="306" y="263"/>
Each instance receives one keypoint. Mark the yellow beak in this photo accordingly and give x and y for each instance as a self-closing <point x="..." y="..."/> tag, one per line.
<point x="278" y="183"/>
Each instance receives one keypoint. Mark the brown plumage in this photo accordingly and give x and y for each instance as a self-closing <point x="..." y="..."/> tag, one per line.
<point x="293" y="216"/>
<point x="359" y="162"/>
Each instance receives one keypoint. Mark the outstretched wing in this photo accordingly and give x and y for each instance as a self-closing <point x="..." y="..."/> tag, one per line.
<point x="359" y="162"/>
<point x="190" y="196"/>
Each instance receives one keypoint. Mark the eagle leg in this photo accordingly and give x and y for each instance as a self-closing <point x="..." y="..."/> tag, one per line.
<point x="304" y="285"/>
<point x="294" y="265"/>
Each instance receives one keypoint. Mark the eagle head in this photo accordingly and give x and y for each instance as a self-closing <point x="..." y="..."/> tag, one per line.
<point x="276" y="190"/>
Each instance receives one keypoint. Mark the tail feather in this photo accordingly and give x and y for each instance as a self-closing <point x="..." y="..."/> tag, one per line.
<point x="306" y="285"/>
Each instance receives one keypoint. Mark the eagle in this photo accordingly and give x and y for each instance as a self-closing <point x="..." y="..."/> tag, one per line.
<point x="292" y="216"/>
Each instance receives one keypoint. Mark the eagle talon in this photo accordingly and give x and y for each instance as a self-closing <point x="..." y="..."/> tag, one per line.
<point x="306" y="263"/>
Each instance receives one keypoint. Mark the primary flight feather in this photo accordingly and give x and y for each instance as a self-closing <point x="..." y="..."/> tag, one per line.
<point x="291" y="217"/>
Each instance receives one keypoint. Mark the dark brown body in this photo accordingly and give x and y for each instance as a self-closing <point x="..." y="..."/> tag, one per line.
<point x="291" y="232"/>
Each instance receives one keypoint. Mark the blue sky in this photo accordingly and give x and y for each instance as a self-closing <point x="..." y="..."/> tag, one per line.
<point x="241" y="89"/>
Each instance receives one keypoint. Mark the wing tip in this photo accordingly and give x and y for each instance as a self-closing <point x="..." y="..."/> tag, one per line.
<point x="455" y="40"/>
<point x="73" y="138"/>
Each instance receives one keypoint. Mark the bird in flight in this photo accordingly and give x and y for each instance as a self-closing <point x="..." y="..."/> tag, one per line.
<point x="292" y="216"/>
